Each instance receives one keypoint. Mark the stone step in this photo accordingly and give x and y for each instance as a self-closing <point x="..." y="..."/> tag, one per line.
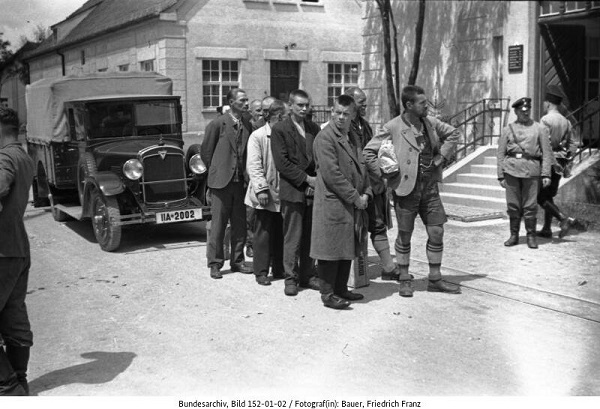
<point x="472" y="200"/>
<point x="478" y="179"/>
<point x="486" y="191"/>
<point x="484" y="169"/>
<point x="490" y="160"/>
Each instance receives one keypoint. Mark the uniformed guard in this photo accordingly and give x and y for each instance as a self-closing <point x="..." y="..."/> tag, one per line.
<point x="524" y="154"/>
<point x="563" y="148"/>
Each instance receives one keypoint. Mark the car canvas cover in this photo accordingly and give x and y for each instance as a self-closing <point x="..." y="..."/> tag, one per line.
<point x="47" y="119"/>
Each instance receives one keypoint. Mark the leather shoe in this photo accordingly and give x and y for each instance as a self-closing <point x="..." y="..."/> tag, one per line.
<point x="313" y="284"/>
<point x="263" y="280"/>
<point x="547" y="233"/>
<point x="565" y="226"/>
<point x="393" y="275"/>
<point x="241" y="268"/>
<point x="290" y="289"/>
<point x="249" y="252"/>
<point x="443" y="287"/>
<point x="350" y="296"/>
<point x="406" y="288"/>
<point x="215" y="273"/>
<point x="335" y="302"/>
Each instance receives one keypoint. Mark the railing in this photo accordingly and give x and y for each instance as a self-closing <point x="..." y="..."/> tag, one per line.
<point x="586" y="123"/>
<point x="321" y="113"/>
<point x="479" y="124"/>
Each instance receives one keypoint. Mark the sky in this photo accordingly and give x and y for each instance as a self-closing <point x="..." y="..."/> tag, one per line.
<point x="20" y="17"/>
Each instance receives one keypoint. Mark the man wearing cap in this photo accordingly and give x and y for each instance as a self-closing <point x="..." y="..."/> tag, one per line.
<point x="524" y="154"/>
<point x="563" y="148"/>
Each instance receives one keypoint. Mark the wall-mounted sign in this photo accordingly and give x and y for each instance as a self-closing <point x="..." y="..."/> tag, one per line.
<point x="515" y="58"/>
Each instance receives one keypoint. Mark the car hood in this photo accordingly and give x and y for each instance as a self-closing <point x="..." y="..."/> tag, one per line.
<point x="128" y="148"/>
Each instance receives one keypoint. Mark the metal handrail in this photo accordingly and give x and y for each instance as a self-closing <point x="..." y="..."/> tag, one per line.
<point x="590" y="139"/>
<point x="478" y="125"/>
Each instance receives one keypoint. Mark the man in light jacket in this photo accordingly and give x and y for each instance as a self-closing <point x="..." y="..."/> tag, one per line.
<point x="263" y="196"/>
<point x="422" y="144"/>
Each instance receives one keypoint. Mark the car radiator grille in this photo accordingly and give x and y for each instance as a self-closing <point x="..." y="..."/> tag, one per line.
<point x="164" y="176"/>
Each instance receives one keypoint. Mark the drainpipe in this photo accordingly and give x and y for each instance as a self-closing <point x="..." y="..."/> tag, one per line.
<point x="62" y="62"/>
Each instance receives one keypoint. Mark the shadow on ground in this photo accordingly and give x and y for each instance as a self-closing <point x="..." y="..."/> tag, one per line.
<point x="105" y="367"/>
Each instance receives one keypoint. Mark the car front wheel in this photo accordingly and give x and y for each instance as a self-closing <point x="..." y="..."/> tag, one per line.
<point x="105" y="211"/>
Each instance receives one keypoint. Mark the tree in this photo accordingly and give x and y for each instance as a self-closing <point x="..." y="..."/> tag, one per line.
<point x="393" y="84"/>
<point x="5" y="55"/>
<point x="385" y="10"/>
<point x="412" y="78"/>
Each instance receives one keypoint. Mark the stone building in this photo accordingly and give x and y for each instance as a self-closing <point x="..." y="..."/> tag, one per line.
<point x="473" y="50"/>
<point x="266" y="47"/>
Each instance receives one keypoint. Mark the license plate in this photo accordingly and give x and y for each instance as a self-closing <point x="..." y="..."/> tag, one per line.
<point x="179" y="216"/>
<point x="518" y="155"/>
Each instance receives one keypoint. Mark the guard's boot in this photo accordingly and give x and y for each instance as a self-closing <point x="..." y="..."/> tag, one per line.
<point x="515" y="224"/>
<point x="9" y="386"/>
<point x="547" y="228"/>
<point x="565" y="222"/>
<point x="19" y="359"/>
<point x="530" y="225"/>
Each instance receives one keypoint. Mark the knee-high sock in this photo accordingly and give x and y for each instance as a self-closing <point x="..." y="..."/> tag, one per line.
<point x="403" y="258"/>
<point x="434" y="256"/>
<point x="382" y="247"/>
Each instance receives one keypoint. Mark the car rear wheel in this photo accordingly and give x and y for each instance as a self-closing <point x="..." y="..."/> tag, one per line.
<point x="105" y="211"/>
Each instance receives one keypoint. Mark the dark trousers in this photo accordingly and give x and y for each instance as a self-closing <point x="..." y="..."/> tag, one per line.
<point x="227" y="206"/>
<point x="268" y="242"/>
<point x="250" y="220"/>
<point x="547" y="194"/>
<point x="14" y="321"/>
<point x="378" y="215"/>
<point x="521" y="196"/>
<point x="333" y="276"/>
<point x="297" y="225"/>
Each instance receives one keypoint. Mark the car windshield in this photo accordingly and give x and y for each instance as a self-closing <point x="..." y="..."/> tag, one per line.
<point x="110" y="119"/>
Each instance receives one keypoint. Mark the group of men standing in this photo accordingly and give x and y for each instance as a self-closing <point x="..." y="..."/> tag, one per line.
<point x="315" y="193"/>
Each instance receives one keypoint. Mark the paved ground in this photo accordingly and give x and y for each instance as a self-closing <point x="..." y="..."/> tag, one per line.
<point x="148" y="320"/>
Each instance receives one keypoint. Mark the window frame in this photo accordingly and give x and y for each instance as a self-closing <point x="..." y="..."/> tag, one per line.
<point x="343" y="85"/>
<point x="220" y="82"/>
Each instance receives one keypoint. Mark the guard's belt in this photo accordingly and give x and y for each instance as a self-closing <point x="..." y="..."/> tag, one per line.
<point x="523" y="155"/>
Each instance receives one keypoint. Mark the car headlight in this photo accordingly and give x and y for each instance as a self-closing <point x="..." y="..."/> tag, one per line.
<point x="197" y="165"/>
<point x="133" y="169"/>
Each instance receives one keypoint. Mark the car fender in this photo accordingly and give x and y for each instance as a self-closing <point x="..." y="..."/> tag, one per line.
<point x="109" y="183"/>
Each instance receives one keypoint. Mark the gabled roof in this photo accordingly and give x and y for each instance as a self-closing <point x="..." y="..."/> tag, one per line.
<point x="104" y="16"/>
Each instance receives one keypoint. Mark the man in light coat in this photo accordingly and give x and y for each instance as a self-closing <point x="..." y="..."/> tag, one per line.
<point x="422" y="144"/>
<point x="342" y="191"/>
<point x="563" y="149"/>
<point x="263" y="196"/>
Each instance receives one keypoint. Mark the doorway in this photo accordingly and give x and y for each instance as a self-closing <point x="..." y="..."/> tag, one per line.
<point x="285" y="77"/>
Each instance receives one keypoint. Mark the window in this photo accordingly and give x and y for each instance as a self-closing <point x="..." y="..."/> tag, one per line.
<point x="147" y="65"/>
<point x="82" y="57"/>
<point x="102" y="69"/>
<point x="123" y="67"/>
<point x="340" y="77"/>
<point x="218" y="77"/>
<point x="592" y="76"/>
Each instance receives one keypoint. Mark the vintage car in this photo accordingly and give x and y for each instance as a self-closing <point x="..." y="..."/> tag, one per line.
<point x="109" y="147"/>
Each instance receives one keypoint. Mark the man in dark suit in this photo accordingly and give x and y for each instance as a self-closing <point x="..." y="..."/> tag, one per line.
<point x="224" y="153"/>
<point x="292" y="144"/>
<point x="16" y="175"/>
